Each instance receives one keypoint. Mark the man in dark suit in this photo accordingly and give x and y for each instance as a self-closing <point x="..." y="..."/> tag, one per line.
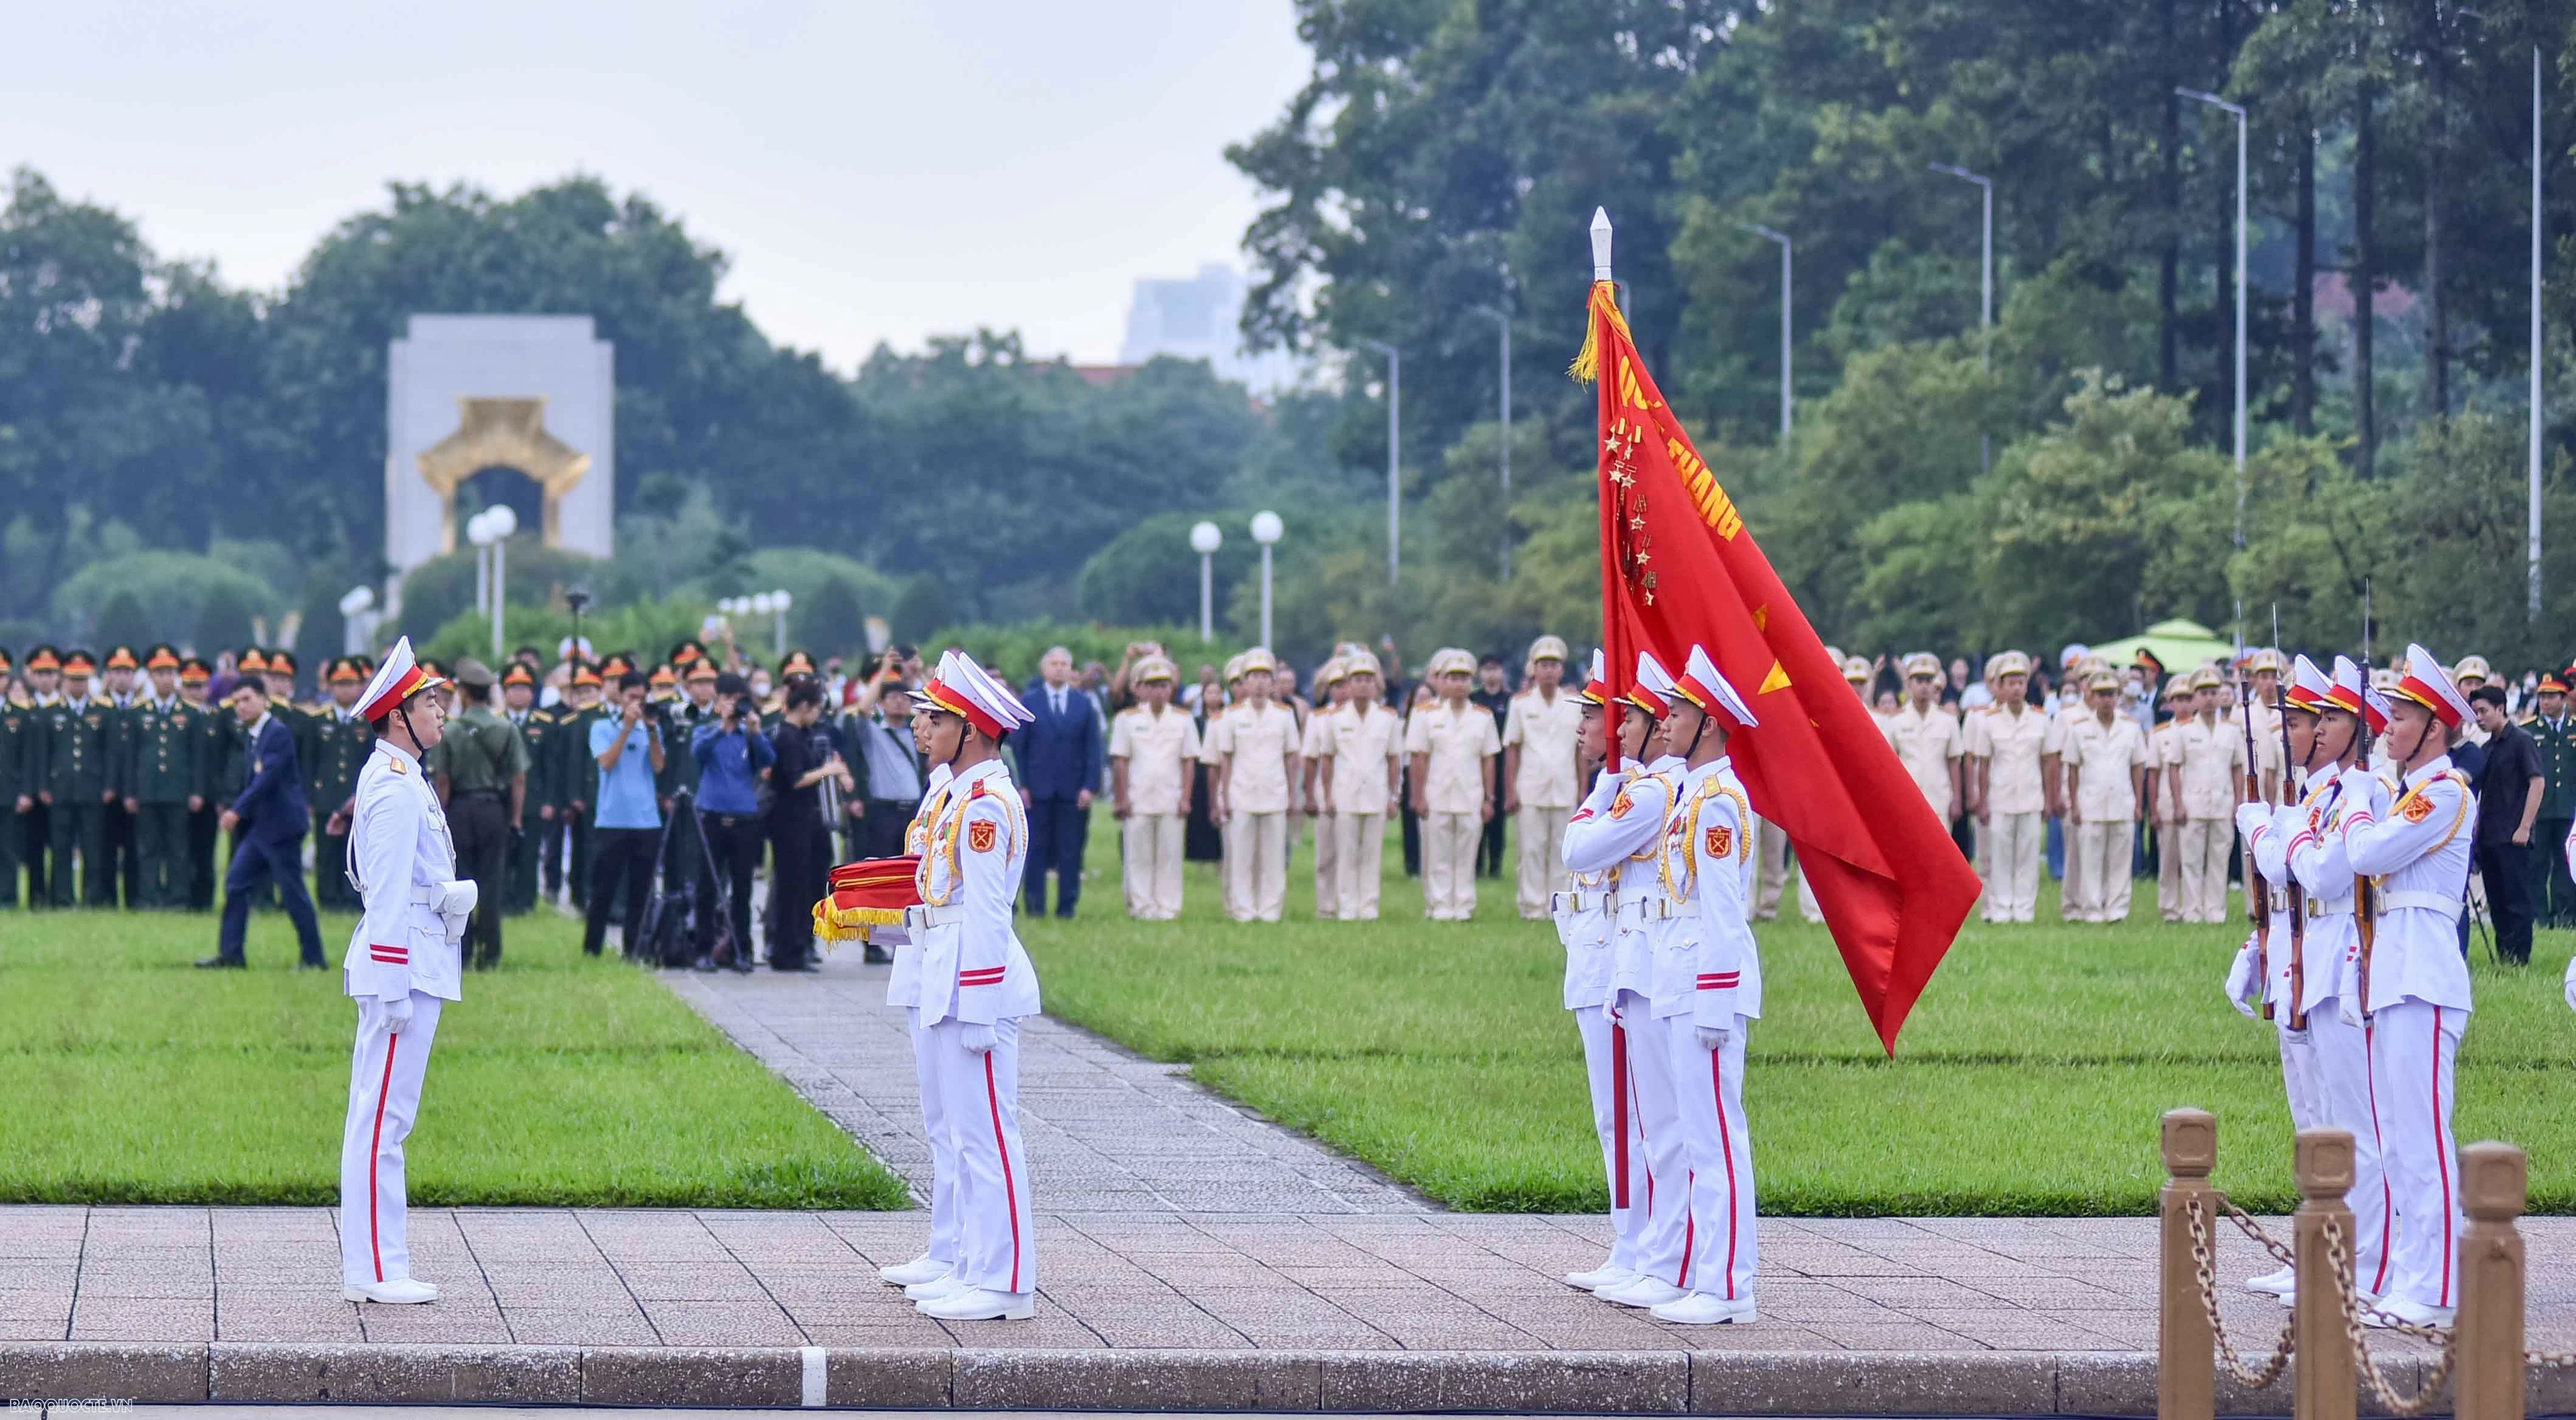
<point x="1060" y="755"/>
<point x="267" y="821"/>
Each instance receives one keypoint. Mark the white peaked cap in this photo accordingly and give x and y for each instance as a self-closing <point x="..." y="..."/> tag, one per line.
<point x="2308" y="685"/>
<point x="397" y="680"/>
<point x="1709" y="689"/>
<point x="961" y="687"/>
<point x="1653" y="691"/>
<point x="1596" y="681"/>
<point x="2428" y="685"/>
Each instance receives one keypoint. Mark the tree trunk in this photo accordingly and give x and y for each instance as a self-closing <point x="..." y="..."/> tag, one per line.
<point x="2170" y="265"/>
<point x="2303" y="294"/>
<point x="2365" y="276"/>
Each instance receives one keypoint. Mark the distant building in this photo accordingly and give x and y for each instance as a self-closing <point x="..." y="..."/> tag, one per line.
<point x="1196" y="318"/>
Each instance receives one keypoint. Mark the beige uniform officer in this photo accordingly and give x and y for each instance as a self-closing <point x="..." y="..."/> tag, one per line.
<point x="2106" y="763"/>
<point x="2005" y="744"/>
<point x="1257" y="743"/>
<point x="1313" y="748"/>
<point x="2069" y="710"/>
<point x="1453" y="745"/>
<point x="1538" y="766"/>
<point x="2207" y="761"/>
<point x="1212" y="754"/>
<point x="1358" y="783"/>
<point x="1152" y="746"/>
<point x="2160" y="778"/>
<point x="1926" y="736"/>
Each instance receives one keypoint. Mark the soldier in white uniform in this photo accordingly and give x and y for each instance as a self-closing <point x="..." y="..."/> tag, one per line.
<point x="1538" y="772"/>
<point x="1585" y="911"/>
<point x="2004" y="745"/>
<point x="2207" y="762"/>
<point x="2411" y="989"/>
<point x="1257" y="741"/>
<point x="1152" y="745"/>
<point x="1453" y="746"/>
<point x="402" y="967"/>
<point x="1708" y="990"/>
<point x="1359" y="781"/>
<point x="1625" y="831"/>
<point x="1332" y="691"/>
<point x="903" y="990"/>
<point x="2106" y="763"/>
<point x="1926" y="736"/>
<point x="976" y="985"/>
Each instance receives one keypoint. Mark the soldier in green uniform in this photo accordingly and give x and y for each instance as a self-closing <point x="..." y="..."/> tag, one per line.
<point x="44" y="676"/>
<point x="117" y="678"/>
<point x="76" y="781"/>
<point x="164" y="783"/>
<point x="17" y="719"/>
<point x="481" y="770"/>
<point x="194" y="674"/>
<point x="537" y="810"/>
<point x="2553" y="733"/>
<point x="341" y="742"/>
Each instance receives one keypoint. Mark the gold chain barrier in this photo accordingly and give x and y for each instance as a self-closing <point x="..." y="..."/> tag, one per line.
<point x="2482" y="1366"/>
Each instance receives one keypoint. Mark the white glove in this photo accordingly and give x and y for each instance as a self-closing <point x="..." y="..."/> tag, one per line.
<point x="2357" y="782"/>
<point x="1711" y="1038"/>
<point x="397" y="1011"/>
<point x="977" y="1039"/>
<point x="2241" y="986"/>
<point x="2252" y="818"/>
<point x="2571" y="985"/>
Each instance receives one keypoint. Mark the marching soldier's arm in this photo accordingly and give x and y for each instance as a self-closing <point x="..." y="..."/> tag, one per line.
<point x="2387" y="842"/>
<point x="386" y="835"/>
<point x="984" y="865"/>
<point x="2317" y="856"/>
<point x="1620" y="818"/>
<point x="1720" y="894"/>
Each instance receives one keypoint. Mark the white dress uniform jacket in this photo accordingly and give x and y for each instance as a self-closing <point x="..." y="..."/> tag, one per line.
<point x="903" y="984"/>
<point x="973" y="967"/>
<point x="405" y="864"/>
<point x="2418" y="851"/>
<point x="1623" y="822"/>
<point x="1712" y="829"/>
<point x="1583" y="920"/>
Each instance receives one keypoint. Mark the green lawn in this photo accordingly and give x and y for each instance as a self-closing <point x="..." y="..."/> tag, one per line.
<point x="128" y="1077"/>
<point x="2028" y="1080"/>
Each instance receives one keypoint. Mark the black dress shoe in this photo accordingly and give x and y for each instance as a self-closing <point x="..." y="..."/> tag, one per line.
<point x="222" y="963"/>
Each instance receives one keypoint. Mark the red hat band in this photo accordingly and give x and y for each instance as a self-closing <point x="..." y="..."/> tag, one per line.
<point x="939" y="693"/>
<point x="395" y="694"/>
<point x="2431" y="699"/>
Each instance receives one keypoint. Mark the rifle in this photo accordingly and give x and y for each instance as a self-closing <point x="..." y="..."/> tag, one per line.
<point x="2258" y="893"/>
<point x="2365" y="894"/>
<point x="2297" y="899"/>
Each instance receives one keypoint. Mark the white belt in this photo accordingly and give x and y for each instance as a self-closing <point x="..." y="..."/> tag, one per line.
<point x="924" y="916"/>
<point x="1653" y="909"/>
<point x="1563" y="903"/>
<point x="427" y="894"/>
<point x="2329" y="907"/>
<point x="2443" y="903"/>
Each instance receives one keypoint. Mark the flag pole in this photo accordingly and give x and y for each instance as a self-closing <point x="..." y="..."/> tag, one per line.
<point x="1618" y="665"/>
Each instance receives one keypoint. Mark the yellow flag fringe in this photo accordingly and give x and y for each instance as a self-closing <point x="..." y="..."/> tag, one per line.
<point x="1605" y="307"/>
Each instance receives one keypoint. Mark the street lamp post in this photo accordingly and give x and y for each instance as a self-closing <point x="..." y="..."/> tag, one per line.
<point x="1205" y="539"/>
<point x="1394" y="442"/>
<point x="1503" y="321"/>
<point x="1985" y="290"/>
<point x="1266" y="528"/>
<point x="357" y="620"/>
<point x="490" y="532"/>
<point x="2241" y="225"/>
<point x="1786" y="251"/>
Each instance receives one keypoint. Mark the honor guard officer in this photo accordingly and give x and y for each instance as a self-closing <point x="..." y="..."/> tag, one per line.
<point x="1363" y="773"/>
<point x="2409" y="986"/>
<point x="17" y="730"/>
<point x="481" y="770"/>
<point x="1152" y="745"/>
<point x="75" y="780"/>
<point x="117" y="674"/>
<point x="1714" y="975"/>
<point x="536" y="728"/>
<point x="1584" y="911"/>
<point x="2553" y="733"/>
<point x="340" y="744"/>
<point x="1626" y="833"/>
<point x="976" y="987"/>
<point x="903" y="991"/>
<point x="2005" y="742"/>
<point x="402" y="968"/>
<point x="1538" y="772"/>
<point x="164" y="782"/>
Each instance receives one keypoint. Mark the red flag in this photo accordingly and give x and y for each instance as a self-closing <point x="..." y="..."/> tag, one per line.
<point x="1678" y="570"/>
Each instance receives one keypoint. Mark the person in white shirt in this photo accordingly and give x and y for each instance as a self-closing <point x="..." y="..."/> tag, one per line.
<point x="2106" y="770"/>
<point x="2205" y="772"/>
<point x="1538" y="772"/>
<point x="1453" y="745"/>
<point x="1257" y="744"/>
<point x="1926" y="736"/>
<point x="2006" y="790"/>
<point x="1152" y="745"/>
<point x="1360" y="773"/>
<point x="1313" y="749"/>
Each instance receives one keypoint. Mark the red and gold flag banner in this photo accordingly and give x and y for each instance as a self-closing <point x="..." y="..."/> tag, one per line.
<point x="1678" y="569"/>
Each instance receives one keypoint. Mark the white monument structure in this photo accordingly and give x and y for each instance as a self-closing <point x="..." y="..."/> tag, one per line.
<point x="532" y="394"/>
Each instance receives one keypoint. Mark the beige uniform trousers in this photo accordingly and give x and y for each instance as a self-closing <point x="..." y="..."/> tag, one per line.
<point x="2071" y="903"/>
<point x="1359" y="850"/>
<point x="2170" y="895"/>
<point x="1773" y="879"/>
<point x="1808" y="907"/>
<point x="1256" y="866"/>
<point x="2205" y="845"/>
<point x="1542" y="858"/>
<point x="2013" y="843"/>
<point x="1152" y="844"/>
<point x="1227" y="853"/>
<point x="1449" y="865"/>
<point x="1328" y="866"/>
<point x="2106" y="868"/>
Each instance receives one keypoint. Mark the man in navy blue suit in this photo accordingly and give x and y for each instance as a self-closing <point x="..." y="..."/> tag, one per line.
<point x="267" y="823"/>
<point x="1060" y="760"/>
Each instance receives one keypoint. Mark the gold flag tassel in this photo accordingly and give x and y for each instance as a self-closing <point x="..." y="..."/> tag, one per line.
<point x="1605" y="308"/>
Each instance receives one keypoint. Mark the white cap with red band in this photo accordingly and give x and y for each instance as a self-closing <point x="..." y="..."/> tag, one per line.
<point x="397" y="680"/>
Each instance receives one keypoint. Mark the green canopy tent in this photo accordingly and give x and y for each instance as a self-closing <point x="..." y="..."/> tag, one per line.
<point x="2180" y="644"/>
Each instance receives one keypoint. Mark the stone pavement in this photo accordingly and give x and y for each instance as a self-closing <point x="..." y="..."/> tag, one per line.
<point x="1107" y="1130"/>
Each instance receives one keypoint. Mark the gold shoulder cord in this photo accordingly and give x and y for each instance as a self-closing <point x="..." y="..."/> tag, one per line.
<point x="1709" y="789"/>
<point x="1654" y="845"/>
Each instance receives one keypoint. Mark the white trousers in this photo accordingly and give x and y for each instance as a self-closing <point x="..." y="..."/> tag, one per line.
<point x="2414" y="1047"/>
<point x="2299" y="1077"/>
<point x="1449" y="865"/>
<point x="1328" y="866"/>
<point x="384" y="1098"/>
<point x="1152" y="853"/>
<point x="944" y="1232"/>
<point x="1359" y="855"/>
<point x="1722" y="1252"/>
<point x="2106" y="868"/>
<point x="2013" y="844"/>
<point x="1773" y="879"/>
<point x="1256" y="866"/>
<point x="1664" y="1242"/>
<point x="1542" y="857"/>
<point x="997" y="1245"/>
<point x="2348" y="1091"/>
<point x="2078" y="883"/>
<point x="2207" y="844"/>
<point x="2170" y="903"/>
<point x="1614" y="1119"/>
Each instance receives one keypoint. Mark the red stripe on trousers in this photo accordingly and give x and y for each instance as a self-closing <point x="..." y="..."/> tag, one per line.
<point x="1726" y="1141"/>
<point x="375" y="1149"/>
<point x="2387" y="1204"/>
<point x="994" y="1096"/>
<point x="1619" y="1113"/>
<point x="2443" y="1153"/>
<point x="1690" y="1228"/>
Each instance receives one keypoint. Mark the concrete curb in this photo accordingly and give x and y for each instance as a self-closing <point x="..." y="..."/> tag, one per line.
<point x="1930" y="1383"/>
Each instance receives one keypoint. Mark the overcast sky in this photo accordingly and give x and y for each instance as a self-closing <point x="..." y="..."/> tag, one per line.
<point x="877" y="171"/>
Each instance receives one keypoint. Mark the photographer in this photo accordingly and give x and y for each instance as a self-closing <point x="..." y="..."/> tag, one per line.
<point x="897" y="665"/>
<point x="731" y="753"/>
<point x="801" y="858"/>
<point x="627" y="746"/>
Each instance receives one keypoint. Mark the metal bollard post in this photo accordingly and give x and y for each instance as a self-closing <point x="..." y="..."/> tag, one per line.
<point x="2186" y="1354"/>
<point x="2494" y="1179"/>
<point x="2327" y="1387"/>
